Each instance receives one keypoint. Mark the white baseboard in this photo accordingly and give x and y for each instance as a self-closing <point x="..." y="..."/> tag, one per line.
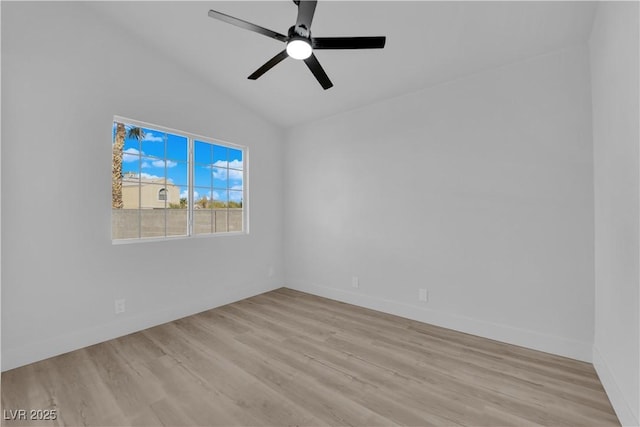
<point x="521" y="337"/>
<point x="616" y="397"/>
<point x="33" y="352"/>
<point x="44" y="349"/>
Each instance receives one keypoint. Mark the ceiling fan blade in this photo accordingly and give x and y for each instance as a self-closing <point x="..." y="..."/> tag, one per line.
<point x="306" y="9"/>
<point x="348" y="42"/>
<point x="316" y="69"/>
<point x="268" y="65"/>
<point x="247" y="25"/>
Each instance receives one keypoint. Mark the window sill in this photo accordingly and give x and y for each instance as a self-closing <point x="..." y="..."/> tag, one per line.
<point x="171" y="238"/>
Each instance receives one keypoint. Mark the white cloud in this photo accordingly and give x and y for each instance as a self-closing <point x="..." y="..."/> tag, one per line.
<point x="185" y="195"/>
<point x="158" y="164"/>
<point x="130" y="155"/>
<point x="149" y="136"/>
<point x="219" y="173"/>
<point x="196" y="196"/>
<point x="144" y="175"/>
<point x="161" y="163"/>
<point x="234" y="175"/>
<point x="236" y="187"/>
<point x="235" y="164"/>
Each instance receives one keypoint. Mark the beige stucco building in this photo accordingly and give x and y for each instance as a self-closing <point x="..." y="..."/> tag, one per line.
<point x="145" y="193"/>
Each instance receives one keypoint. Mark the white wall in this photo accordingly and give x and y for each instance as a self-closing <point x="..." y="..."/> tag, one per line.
<point x="480" y="190"/>
<point x="614" y="74"/>
<point x="65" y="73"/>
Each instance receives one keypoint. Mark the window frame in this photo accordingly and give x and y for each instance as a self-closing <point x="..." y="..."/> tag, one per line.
<point x="191" y="139"/>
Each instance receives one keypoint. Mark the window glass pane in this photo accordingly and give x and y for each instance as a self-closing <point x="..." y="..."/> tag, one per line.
<point x="202" y="176"/>
<point x="202" y="152"/>
<point x="131" y="166"/>
<point x="153" y="144"/>
<point x="184" y="195"/>
<point x="203" y="221"/>
<point x="177" y="220"/>
<point x="158" y="166"/>
<point x="152" y="207"/>
<point x="202" y="198"/>
<point x="152" y="222"/>
<point x="178" y="173"/>
<point x="235" y="199"/>
<point x="220" y="220"/>
<point x="220" y="198"/>
<point x="220" y="155"/>
<point x="235" y="158"/>
<point x="124" y="224"/>
<point x="130" y="155"/>
<point x="235" y="178"/>
<point x="130" y="191"/>
<point x="235" y="219"/>
<point x="177" y="147"/>
<point x="219" y="177"/>
<point x="152" y="169"/>
<point x="150" y="195"/>
<point x="131" y="150"/>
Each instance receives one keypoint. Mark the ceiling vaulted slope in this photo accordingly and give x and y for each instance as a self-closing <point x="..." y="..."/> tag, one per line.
<point x="427" y="43"/>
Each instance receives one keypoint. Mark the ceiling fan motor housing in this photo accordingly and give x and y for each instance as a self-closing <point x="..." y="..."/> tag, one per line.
<point x="299" y="31"/>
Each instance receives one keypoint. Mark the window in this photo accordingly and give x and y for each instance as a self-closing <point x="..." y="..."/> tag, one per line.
<point x="218" y="188"/>
<point x="168" y="183"/>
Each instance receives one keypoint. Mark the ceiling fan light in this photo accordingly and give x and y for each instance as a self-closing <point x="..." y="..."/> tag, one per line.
<point x="299" y="49"/>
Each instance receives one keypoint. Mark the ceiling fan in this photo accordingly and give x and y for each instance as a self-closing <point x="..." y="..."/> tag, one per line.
<point x="300" y="44"/>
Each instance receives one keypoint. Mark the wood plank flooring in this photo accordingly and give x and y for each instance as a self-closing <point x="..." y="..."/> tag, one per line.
<point x="289" y="358"/>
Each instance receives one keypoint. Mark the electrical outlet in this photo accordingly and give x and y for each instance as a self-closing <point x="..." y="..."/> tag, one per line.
<point x="423" y="295"/>
<point x="355" y="282"/>
<point x="270" y="271"/>
<point x="120" y="306"/>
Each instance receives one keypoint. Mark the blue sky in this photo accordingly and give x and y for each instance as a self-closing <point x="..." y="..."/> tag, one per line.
<point x="217" y="169"/>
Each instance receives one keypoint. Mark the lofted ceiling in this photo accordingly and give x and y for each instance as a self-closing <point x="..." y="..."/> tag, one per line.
<point x="428" y="43"/>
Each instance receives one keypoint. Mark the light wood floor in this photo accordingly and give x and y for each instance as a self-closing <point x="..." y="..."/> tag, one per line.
<point x="289" y="358"/>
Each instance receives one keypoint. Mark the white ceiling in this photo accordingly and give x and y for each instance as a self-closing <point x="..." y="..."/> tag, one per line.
<point x="427" y="43"/>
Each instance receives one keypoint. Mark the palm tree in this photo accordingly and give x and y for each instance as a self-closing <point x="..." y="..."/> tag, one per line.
<point x="122" y="132"/>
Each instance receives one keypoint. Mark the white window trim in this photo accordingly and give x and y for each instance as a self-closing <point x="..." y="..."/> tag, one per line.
<point x="191" y="138"/>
